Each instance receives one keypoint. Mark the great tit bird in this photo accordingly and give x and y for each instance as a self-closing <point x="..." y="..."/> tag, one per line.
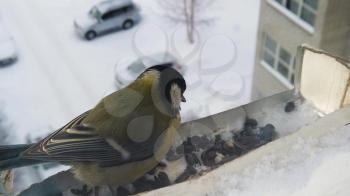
<point x="126" y="135"/>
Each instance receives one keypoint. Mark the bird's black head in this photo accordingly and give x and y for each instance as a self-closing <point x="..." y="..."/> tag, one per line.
<point x="169" y="79"/>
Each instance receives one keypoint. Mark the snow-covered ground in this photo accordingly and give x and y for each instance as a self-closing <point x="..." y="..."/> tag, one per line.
<point x="59" y="75"/>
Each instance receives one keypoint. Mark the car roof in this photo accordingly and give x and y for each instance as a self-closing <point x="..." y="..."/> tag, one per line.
<point x="112" y="4"/>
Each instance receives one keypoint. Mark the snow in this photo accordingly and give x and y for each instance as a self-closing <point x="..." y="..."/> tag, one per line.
<point x="287" y="122"/>
<point x="332" y="168"/>
<point x="313" y="161"/>
<point x="7" y="49"/>
<point x="59" y="75"/>
<point x="7" y="45"/>
<point x="311" y="167"/>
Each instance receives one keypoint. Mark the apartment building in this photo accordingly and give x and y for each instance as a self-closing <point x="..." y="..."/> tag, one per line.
<point x="285" y="24"/>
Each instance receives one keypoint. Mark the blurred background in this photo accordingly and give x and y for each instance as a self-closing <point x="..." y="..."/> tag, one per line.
<point x="59" y="58"/>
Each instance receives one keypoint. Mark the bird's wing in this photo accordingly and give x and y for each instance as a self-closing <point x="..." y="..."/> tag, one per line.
<point x="85" y="138"/>
<point x="77" y="142"/>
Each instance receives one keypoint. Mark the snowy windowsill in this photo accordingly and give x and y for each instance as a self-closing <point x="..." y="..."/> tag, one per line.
<point x="305" y="26"/>
<point x="283" y="80"/>
<point x="309" y="162"/>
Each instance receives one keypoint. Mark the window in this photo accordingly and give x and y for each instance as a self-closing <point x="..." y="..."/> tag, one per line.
<point x="304" y="9"/>
<point x="129" y="8"/>
<point x="278" y="58"/>
<point x="113" y="13"/>
<point x="95" y="13"/>
<point x="108" y="15"/>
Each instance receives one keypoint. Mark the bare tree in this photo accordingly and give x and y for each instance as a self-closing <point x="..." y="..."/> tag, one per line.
<point x="192" y="13"/>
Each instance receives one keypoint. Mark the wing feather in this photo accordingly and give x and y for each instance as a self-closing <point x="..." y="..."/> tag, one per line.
<point x="74" y="142"/>
<point x="80" y="143"/>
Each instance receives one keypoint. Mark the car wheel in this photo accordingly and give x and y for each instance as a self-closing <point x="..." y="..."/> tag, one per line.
<point x="128" y="24"/>
<point x="90" y="35"/>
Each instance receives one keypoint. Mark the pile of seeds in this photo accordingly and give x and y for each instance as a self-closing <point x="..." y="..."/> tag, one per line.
<point x="203" y="153"/>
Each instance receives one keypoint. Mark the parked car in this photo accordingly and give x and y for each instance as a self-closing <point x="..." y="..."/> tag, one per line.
<point x="107" y="16"/>
<point x="125" y="73"/>
<point x="8" y="51"/>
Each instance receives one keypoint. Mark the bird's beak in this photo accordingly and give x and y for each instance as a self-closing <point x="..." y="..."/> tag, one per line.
<point x="183" y="99"/>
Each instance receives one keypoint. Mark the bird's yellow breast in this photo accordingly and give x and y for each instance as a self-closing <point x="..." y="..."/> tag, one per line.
<point x="127" y="173"/>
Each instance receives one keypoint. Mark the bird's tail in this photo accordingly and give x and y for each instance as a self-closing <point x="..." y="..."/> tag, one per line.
<point x="10" y="157"/>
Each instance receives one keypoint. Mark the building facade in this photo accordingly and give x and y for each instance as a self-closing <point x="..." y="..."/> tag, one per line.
<point x="285" y="24"/>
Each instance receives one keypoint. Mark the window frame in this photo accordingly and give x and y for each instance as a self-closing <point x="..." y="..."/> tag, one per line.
<point x="273" y="69"/>
<point x="296" y="18"/>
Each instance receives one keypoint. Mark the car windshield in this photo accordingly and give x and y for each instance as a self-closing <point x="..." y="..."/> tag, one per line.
<point x="95" y="13"/>
<point x="137" y="68"/>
